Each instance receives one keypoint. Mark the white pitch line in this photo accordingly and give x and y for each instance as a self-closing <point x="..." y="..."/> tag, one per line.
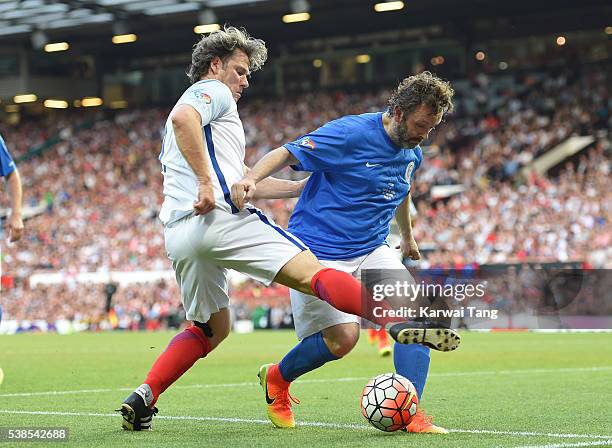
<point x="531" y="434"/>
<point x="322" y="380"/>
<point x="568" y="445"/>
<point x="64" y="392"/>
<point x="323" y="425"/>
<point x="174" y="417"/>
<point x="525" y="371"/>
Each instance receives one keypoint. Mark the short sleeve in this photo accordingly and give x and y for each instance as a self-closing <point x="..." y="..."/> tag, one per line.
<point x="419" y="154"/>
<point x="321" y="150"/>
<point x="212" y="99"/>
<point x="7" y="165"/>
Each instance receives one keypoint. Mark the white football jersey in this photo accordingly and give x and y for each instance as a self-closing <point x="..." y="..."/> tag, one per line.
<point x="224" y="144"/>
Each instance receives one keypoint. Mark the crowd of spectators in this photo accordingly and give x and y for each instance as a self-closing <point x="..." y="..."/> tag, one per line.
<point x="475" y="149"/>
<point x="131" y="307"/>
<point x="101" y="190"/>
<point x="545" y="219"/>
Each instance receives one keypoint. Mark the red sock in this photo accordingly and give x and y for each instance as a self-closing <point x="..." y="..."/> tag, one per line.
<point x="182" y="352"/>
<point x="344" y="292"/>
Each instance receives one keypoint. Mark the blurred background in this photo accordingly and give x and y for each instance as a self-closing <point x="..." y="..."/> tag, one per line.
<point x="517" y="177"/>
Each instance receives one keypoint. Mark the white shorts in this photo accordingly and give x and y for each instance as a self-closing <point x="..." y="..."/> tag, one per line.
<point x="311" y="315"/>
<point x="203" y="248"/>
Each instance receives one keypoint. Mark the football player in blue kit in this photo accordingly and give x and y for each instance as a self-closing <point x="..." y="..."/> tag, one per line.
<point x="8" y="169"/>
<point x="362" y="167"/>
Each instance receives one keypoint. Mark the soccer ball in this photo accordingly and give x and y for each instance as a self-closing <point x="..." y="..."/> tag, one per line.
<point x="389" y="402"/>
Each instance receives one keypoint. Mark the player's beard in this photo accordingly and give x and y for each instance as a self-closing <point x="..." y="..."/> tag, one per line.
<point x="402" y="137"/>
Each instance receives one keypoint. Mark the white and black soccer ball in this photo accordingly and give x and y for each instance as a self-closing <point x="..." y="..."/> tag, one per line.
<point x="389" y="402"/>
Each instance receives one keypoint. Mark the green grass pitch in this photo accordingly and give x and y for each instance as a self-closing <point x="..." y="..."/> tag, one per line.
<point x="497" y="390"/>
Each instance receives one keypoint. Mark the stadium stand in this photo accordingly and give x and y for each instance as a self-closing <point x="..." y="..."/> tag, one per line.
<point x="100" y="213"/>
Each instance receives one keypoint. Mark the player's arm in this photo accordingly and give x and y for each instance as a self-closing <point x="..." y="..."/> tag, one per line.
<point x="187" y="125"/>
<point x="325" y="148"/>
<point x="244" y="191"/>
<point x="273" y="188"/>
<point x="408" y="245"/>
<point x="15" y="194"/>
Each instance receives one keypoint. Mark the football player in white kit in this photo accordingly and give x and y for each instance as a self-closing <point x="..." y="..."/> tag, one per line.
<point x="206" y="234"/>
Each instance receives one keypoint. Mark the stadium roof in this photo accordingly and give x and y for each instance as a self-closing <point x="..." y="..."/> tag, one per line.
<point x="161" y="25"/>
<point x="24" y="16"/>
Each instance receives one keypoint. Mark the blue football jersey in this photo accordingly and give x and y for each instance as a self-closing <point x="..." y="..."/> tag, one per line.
<point x="7" y="166"/>
<point x="359" y="177"/>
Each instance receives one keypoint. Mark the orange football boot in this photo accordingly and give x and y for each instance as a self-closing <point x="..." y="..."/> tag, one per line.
<point x="277" y="396"/>
<point x="421" y="423"/>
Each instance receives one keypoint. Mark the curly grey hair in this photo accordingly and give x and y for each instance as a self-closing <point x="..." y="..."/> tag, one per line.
<point x="424" y="88"/>
<point x="222" y="43"/>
